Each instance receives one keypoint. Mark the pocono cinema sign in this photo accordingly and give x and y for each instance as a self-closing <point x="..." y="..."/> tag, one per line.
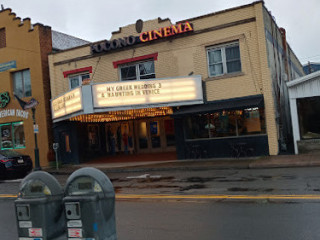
<point x="148" y="36"/>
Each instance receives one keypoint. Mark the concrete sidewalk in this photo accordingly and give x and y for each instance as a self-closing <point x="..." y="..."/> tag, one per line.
<point x="279" y="161"/>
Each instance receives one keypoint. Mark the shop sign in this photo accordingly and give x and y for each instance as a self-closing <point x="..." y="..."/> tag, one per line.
<point x="14" y="113"/>
<point x="69" y="102"/>
<point x="4" y="99"/>
<point x="150" y="92"/>
<point x="7" y="66"/>
<point x="144" y="37"/>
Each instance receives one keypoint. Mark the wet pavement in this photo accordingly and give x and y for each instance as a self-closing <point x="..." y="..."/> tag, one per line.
<point x="273" y="181"/>
<point x="292" y="175"/>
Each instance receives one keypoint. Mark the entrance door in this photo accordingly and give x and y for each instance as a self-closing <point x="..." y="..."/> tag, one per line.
<point x="155" y="135"/>
<point x="149" y="136"/>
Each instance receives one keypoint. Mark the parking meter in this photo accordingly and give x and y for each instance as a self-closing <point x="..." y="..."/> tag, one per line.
<point x="89" y="205"/>
<point x="39" y="207"/>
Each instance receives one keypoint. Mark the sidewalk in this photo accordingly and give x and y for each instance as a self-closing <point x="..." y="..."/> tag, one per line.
<point x="279" y="161"/>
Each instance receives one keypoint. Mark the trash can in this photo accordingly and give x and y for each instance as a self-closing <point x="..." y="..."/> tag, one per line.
<point x="89" y="205"/>
<point x="39" y="207"/>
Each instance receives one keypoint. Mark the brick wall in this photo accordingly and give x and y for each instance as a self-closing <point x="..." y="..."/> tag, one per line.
<point x="183" y="55"/>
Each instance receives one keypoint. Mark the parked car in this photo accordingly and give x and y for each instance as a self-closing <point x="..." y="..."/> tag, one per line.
<point x="13" y="163"/>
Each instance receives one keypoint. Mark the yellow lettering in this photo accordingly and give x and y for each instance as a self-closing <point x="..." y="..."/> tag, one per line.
<point x="144" y="37"/>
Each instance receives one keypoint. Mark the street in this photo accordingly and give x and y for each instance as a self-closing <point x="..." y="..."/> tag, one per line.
<point x="158" y="220"/>
<point x="195" y="218"/>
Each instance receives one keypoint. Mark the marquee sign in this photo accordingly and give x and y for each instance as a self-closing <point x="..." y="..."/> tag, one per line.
<point x="148" y="36"/>
<point x="162" y="92"/>
<point x="69" y="102"/>
<point x="4" y="99"/>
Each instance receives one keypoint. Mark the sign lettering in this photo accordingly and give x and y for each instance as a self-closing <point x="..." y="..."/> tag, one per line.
<point x="14" y="112"/>
<point x="165" y="32"/>
<point x="68" y="103"/>
<point x="157" y="91"/>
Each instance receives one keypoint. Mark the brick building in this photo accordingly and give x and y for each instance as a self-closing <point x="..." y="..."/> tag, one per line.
<point x="210" y="86"/>
<point x="24" y="72"/>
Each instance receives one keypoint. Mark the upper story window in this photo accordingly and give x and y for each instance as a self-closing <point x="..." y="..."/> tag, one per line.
<point x="77" y="80"/>
<point x="3" y="38"/>
<point x="224" y="59"/>
<point x="22" y="83"/>
<point x="137" y="71"/>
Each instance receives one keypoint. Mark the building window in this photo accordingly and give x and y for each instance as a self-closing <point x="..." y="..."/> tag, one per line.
<point x="12" y="136"/>
<point x="137" y="71"/>
<point x="22" y="83"/>
<point x="3" y="38"/>
<point x="78" y="80"/>
<point x="227" y="123"/>
<point x="224" y="59"/>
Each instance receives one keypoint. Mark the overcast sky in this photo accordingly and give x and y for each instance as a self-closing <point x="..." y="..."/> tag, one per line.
<point x="95" y="20"/>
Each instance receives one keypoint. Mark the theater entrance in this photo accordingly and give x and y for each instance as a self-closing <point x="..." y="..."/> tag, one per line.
<point x="155" y="135"/>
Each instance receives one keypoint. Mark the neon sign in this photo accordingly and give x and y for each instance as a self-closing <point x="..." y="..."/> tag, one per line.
<point x="148" y="36"/>
<point x="165" y="32"/>
<point x="4" y="99"/>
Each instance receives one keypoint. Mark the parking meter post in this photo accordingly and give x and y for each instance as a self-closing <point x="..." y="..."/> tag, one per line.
<point x="39" y="207"/>
<point x="90" y="205"/>
<point x="55" y="148"/>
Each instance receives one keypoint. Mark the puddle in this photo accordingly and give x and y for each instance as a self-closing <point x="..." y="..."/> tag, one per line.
<point x="238" y="189"/>
<point x="194" y="186"/>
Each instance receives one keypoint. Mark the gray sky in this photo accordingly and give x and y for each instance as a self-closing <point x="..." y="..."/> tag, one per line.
<point x="95" y="20"/>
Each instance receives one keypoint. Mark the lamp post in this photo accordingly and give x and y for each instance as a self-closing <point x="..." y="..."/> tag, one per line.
<point x="36" y="149"/>
<point x="27" y="105"/>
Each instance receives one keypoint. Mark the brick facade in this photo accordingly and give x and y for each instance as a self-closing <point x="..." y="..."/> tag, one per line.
<point x="187" y="54"/>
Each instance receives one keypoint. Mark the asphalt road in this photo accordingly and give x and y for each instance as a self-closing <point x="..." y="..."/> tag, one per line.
<point x="287" y="181"/>
<point x="158" y="220"/>
<point x="199" y="218"/>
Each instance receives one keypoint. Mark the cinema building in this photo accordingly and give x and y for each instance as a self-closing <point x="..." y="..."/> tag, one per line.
<point x="210" y="86"/>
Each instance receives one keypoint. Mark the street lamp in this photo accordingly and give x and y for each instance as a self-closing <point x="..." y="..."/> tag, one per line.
<point x="25" y="106"/>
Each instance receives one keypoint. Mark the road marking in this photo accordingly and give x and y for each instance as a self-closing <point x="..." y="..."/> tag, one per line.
<point x="217" y="197"/>
<point x="8" y="196"/>
<point x="204" y="197"/>
<point x="12" y="181"/>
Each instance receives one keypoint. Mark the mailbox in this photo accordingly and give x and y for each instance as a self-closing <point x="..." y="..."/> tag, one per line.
<point x="39" y="207"/>
<point x="89" y="205"/>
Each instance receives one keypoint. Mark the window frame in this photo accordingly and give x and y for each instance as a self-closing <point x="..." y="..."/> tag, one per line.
<point x="12" y="124"/>
<point x="222" y="48"/>
<point x="23" y="83"/>
<point x="79" y="76"/>
<point x="137" y="70"/>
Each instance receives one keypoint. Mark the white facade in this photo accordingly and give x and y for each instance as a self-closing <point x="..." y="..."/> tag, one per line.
<point x="307" y="86"/>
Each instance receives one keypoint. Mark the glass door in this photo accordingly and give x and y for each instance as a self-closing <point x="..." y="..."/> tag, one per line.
<point x="155" y="134"/>
<point x="142" y="135"/>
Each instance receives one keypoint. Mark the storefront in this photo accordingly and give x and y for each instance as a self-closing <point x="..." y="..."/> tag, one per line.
<point x="304" y="96"/>
<point x="131" y="117"/>
<point x="234" y="101"/>
<point x="23" y="76"/>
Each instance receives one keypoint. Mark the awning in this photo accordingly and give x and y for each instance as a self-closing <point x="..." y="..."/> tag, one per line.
<point x="215" y="106"/>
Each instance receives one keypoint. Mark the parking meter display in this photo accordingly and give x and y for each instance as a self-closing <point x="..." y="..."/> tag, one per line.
<point x="83" y="185"/>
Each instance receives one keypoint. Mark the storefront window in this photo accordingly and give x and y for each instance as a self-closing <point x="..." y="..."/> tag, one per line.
<point x="309" y="117"/>
<point x="225" y="124"/>
<point x="12" y="135"/>
<point x="169" y="131"/>
<point x="18" y="133"/>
